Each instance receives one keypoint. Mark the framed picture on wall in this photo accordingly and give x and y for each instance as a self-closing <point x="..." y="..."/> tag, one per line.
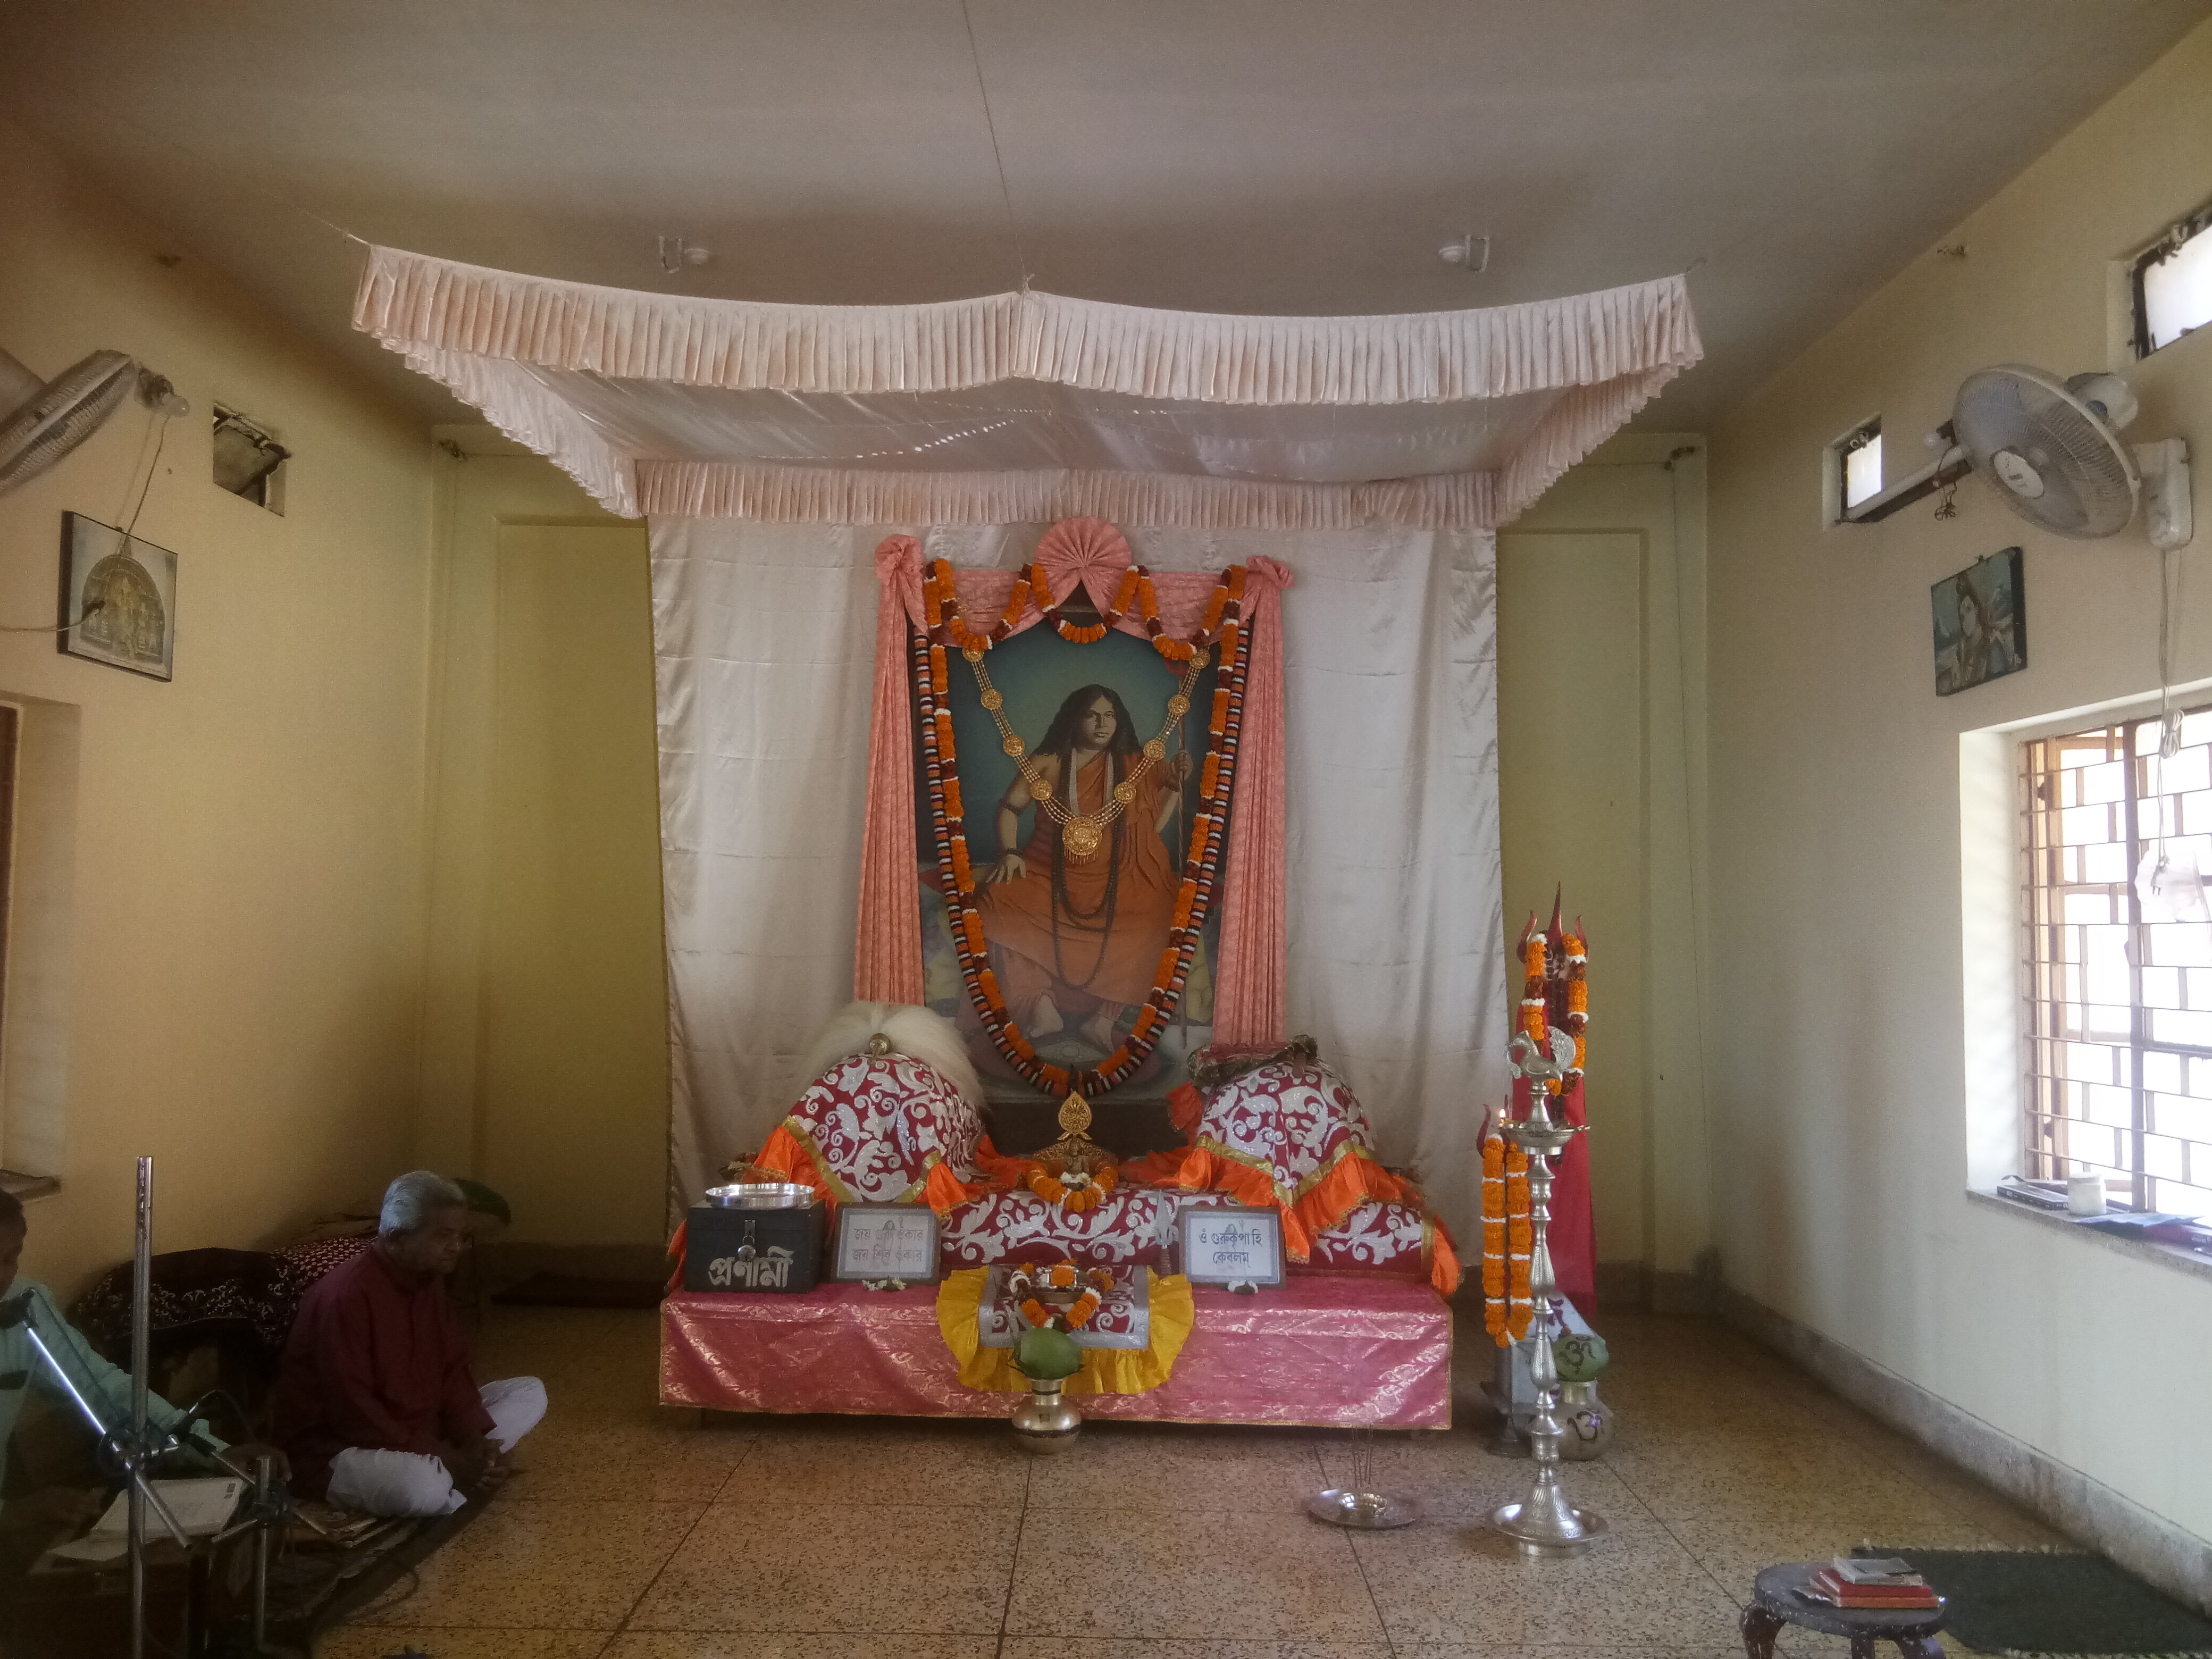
<point x="119" y="598"/>
<point x="1981" y="623"/>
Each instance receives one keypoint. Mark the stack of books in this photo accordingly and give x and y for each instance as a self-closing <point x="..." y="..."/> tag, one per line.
<point x="1864" y="1582"/>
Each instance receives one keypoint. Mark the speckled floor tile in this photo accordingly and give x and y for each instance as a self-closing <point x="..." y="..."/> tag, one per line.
<point x="524" y="1565"/>
<point x="1206" y="1574"/>
<point x="1456" y="1476"/>
<point x="1735" y="1548"/>
<point x="1459" y="1581"/>
<point x="1730" y="1478"/>
<point x="625" y="1461"/>
<point x="1731" y="1649"/>
<point x="788" y="1564"/>
<point x="708" y="1644"/>
<point x="865" y="1460"/>
<point x="1179" y="1647"/>
<point x="1142" y="1466"/>
<point x="380" y="1641"/>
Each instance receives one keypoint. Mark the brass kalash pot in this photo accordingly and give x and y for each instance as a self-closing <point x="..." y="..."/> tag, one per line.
<point x="1047" y="1421"/>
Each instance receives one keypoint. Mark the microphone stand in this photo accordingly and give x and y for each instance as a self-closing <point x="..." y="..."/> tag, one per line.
<point x="136" y="1446"/>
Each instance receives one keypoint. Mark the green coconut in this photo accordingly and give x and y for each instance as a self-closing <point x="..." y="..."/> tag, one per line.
<point x="1045" y="1355"/>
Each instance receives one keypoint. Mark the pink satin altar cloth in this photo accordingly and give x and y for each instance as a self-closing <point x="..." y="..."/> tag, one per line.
<point x="1323" y="1350"/>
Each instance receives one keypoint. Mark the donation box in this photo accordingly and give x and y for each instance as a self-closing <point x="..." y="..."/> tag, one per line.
<point x="748" y="1249"/>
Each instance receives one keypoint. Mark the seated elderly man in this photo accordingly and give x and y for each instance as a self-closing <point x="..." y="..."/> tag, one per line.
<point x="375" y="1403"/>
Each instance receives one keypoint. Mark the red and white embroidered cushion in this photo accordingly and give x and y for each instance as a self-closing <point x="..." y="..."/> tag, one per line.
<point x="877" y="1125"/>
<point x="1127" y="1226"/>
<point x="1292" y="1122"/>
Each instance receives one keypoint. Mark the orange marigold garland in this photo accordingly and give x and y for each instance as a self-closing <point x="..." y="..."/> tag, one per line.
<point x="1031" y="1286"/>
<point x="947" y="625"/>
<point x="1202" y="861"/>
<point x="1507" y="1236"/>
<point x="1072" y="1189"/>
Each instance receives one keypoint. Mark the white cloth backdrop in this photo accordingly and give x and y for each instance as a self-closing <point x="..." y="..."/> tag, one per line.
<point x="765" y="645"/>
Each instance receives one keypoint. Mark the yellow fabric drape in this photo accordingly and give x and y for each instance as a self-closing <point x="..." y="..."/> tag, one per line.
<point x="1105" y="1370"/>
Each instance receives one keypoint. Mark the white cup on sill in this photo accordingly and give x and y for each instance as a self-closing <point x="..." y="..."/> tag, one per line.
<point x="2084" y="1193"/>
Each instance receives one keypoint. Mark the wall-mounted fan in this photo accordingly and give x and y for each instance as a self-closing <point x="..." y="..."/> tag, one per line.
<point x="2052" y="450"/>
<point x="41" y="420"/>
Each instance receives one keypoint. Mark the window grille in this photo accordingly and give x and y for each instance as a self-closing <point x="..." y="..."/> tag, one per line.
<point x="2119" y="992"/>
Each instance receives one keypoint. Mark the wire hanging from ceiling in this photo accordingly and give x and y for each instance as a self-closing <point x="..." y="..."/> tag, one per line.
<point x="991" y="125"/>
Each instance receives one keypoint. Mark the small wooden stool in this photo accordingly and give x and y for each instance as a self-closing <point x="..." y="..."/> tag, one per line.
<point x="1775" y="1603"/>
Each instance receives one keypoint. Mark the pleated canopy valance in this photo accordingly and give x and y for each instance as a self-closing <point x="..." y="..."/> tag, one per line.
<point x="1028" y="407"/>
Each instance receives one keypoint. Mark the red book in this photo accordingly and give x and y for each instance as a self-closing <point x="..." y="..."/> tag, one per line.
<point x="1828" y="1584"/>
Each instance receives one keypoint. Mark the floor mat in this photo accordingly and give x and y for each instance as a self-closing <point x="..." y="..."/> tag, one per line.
<point x="566" y="1291"/>
<point x="2029" y="1603"/>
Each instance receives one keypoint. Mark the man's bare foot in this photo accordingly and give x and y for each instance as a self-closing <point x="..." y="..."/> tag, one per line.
<point x="1099" y="1028"/>
<point x="1044" y="1018"/>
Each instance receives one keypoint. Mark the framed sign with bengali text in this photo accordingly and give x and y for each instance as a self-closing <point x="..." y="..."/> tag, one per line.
<point x="1233" y="1246"/>
<point x="886" y="1241"/>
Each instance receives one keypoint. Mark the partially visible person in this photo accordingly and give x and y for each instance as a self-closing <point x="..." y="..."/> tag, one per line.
<point x="32" y="1519"/>
<point x="375" y="1404"/>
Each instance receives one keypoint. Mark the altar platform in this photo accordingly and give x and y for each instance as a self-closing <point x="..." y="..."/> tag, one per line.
<point x="1322" y="1350"/>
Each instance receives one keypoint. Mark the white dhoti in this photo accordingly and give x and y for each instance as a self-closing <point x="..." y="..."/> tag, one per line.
<point x="415" y="1483"/>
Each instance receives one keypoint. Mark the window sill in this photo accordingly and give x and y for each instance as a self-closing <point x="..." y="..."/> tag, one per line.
<point x="26" y="1187"/>
<point x="2142" y="1250"/>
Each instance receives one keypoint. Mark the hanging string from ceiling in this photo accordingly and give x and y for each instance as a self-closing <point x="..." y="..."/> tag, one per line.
<point x="991" y="124"/>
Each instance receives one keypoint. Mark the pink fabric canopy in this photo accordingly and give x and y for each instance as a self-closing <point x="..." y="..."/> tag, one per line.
<point x="1028" y="407"/>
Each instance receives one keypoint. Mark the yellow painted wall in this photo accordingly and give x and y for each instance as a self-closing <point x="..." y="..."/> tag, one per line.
<point x="244" y="994"/>
<point x="545" y="1054"/>
<point x="1599" y="733"/>
<point x="1840" y="1041"/>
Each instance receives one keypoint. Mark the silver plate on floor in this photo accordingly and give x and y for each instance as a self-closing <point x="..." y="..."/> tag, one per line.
<point x="1363" y="1511"/>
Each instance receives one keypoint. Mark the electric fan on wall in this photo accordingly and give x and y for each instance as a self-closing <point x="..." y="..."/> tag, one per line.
<point x="41" y="420"/>
<point x="2052" y="450"/>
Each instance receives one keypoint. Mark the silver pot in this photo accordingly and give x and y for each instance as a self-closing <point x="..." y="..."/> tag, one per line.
<point x="1046" y="1421"/>
<point x="761" y="1196"/>
<point x="1585" y="1423"/>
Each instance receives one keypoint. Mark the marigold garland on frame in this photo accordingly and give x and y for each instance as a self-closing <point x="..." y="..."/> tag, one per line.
<point x="1222" y="624"/>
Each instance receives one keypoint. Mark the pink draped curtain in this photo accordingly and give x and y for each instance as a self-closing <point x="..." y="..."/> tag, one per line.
<point x="1251" y="1000"/>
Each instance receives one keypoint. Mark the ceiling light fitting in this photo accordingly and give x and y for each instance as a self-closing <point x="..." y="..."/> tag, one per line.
<point x="1471" y="254"/>
<point x="676" y="253"/>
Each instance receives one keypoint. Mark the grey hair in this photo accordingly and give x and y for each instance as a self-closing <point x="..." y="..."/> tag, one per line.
<point x="409" y="1200"/>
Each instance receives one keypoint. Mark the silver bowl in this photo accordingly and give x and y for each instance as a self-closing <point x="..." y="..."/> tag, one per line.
<point x="761" y="1196"/>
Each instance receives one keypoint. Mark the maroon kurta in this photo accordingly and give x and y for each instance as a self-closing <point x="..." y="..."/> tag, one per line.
<point x="377" y="1362"/>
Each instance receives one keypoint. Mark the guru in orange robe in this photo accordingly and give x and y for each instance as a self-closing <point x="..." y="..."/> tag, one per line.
<point x="1074" y="941"/>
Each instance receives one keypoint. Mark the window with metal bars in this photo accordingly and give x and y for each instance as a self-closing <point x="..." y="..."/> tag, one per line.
<point x="2119" y="954"/>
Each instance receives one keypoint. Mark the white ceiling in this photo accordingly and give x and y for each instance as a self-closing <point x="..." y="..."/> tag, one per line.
<point x="1242" y="156"/>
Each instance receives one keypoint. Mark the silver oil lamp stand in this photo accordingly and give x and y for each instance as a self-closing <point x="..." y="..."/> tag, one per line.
<point x="1544" y="1523"/>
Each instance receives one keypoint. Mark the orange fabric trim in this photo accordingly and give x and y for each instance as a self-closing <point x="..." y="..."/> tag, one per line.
<point x="1205" y="1171"/>
<point x="1186" y="1107"/>
<point x="1356" y="1180"/>
<point x="944" y="1192"/>
<point x="786" y="1154"/>
<point x="1443" y="1261"/>
<point x="1003" y="1171"/>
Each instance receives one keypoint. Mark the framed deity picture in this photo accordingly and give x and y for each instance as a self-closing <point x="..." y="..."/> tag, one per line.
<point x="886" y="1241"/>
<point x="1981" y="623"/>
<point x="119" y="598"/>
<point x="1226" y="1245"/>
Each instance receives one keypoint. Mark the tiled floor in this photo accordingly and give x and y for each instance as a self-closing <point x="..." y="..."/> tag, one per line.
<point x="627" y="1536"/>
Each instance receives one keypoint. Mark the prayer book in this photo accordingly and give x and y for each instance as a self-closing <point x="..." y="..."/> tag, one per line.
<point x="1904" y="1590"/>
<point x="202" y="1507"/>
